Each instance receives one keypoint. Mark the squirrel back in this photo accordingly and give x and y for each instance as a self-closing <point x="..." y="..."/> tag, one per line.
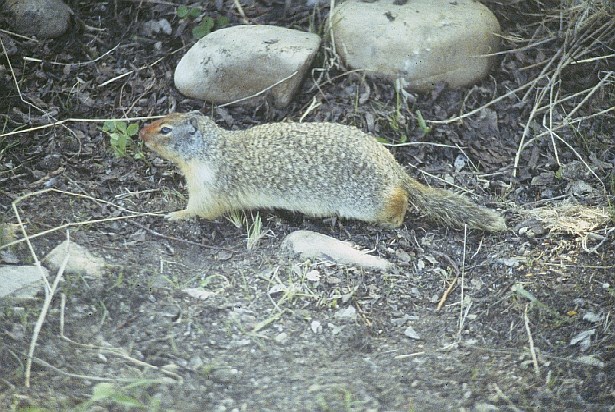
<point x="320" y="169"/>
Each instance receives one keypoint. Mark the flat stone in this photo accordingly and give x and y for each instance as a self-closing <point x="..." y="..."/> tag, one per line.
<point x="312" y="245"/>
<point x="20" y="282"/>
<point x="81" y="261"/>
<point x="422" y="42"/>
<point x="241" y="61"/>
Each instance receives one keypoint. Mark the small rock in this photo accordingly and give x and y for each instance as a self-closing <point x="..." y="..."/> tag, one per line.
<point x="80" y="260"/>
<point x="543" y="179"/>
<point x="313" y="275"/>
<point x="591" y="361"/>
<point x="485" y="407"/>
<point x="402" y="321"/>
<point x="531" y="228"/>
<point x="512" y="262"/>
<point x="195" y="363"/>
<point x="579" y="188"/>
<point x="8" y="256"/>
<point x="45" y="19"/>
<point x="316" y="326"/>
<point x="312" y="245"/>
<point x="403" y="256"/>
<point x="592" y="317"/>
<point x="335" y="330"/>
<point x="242" y="61"/>
<point x="422" y="42"/>
<point x="50" y="162"/>
<point x="20" y="281"/>
<point x="199" y="293"/>
<point x="225" y="375"/>
<point x="348" y="313"/>
<point x="281" y="337"/>
<point x="583" y="339"/>
<point x="152" y="27"/>
<point x="411" y="333"/>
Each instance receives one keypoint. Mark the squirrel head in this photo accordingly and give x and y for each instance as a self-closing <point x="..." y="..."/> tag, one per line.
<point x="180" y="137"/>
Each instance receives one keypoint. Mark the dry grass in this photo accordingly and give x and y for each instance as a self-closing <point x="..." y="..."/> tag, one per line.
<point x="581" y="30"/>
<point x="572" y="219"/>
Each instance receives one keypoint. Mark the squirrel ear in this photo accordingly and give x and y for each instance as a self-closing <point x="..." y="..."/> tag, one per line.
<point x="194" y="122"/>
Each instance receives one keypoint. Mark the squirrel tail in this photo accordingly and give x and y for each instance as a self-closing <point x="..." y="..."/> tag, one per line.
<point x="452" y="209"/>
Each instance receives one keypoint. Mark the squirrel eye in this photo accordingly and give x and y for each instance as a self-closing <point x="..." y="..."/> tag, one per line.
<point x="165" y="130"/>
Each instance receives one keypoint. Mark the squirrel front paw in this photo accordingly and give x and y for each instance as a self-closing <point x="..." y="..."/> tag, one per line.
<point x="179" y="215"/>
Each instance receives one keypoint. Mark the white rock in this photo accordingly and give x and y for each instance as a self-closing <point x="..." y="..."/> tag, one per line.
<point x="20" y="281"/>
<point x="241" y="61"/>
<point x="422" y="42"/>
<point x="312" y="245"/>
<point x="80" y="260"/>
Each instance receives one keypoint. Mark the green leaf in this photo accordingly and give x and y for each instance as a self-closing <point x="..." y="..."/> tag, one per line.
<point x="182" y="11"/>
<point x="125" y="400"/>
<point x="108" y="126"/>
<point x="422" y="123"/>
<point x="132" y="129"/>
<point x="103" y="391"/>
<point x="203" y="28"/>
<point x="558" y="173"/>
<point x="121" y="126"/>
<point x="194" y="12"/>
<point x="222" y="21"/>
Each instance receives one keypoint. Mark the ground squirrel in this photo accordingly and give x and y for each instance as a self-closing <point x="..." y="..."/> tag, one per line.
<point x="320" y="169"/>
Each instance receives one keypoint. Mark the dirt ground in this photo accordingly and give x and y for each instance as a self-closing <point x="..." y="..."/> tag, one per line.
<point x="527" y="316"/>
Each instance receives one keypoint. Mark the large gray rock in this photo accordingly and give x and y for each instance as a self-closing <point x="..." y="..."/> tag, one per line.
<point x="242" y="61"/>
<point x="40" y="18"/>
<point x="422" y="42"/>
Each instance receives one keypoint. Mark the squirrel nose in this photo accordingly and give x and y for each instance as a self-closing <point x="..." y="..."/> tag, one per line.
<point x="143" y="135"/>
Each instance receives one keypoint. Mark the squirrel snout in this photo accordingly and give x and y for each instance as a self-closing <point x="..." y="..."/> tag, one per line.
<point x="147" y="131"/>
<point x="142" y="135"/>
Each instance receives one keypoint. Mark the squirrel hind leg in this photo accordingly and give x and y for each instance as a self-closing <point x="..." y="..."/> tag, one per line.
<point x="394" y="208"/>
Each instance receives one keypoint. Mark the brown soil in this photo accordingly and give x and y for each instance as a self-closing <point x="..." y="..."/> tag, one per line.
<point x="268" y="336"/>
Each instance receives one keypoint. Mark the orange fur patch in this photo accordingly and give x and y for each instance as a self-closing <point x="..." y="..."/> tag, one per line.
<point x="148" y="130"/>
<point x="395" y="205"/>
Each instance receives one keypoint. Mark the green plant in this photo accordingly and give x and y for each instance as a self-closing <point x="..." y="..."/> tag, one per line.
<point x="255" y="231"/>
<point x="184" y="11"/>
<point x="253" y="225"/>
<point x="209" y="24"/>
<point x="206" y="25"/>
<point x="120" y="134"/>
<point x="422" y="124"/>
<point x="8" y="232"/>
<point x="132" y="396"/>
<point x="236" y="217"/>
